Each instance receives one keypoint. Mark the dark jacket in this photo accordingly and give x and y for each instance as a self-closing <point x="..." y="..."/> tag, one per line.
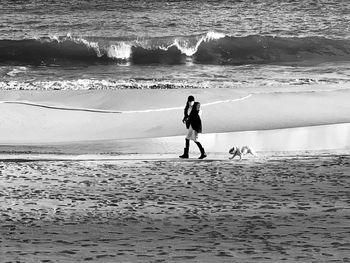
<point x="193" y="118"/>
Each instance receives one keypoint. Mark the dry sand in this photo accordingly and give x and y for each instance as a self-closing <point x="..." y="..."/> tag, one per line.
<point x="273" y="208"/>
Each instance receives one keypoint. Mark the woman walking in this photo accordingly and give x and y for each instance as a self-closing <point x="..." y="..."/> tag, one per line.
<point x="193" y="123"/>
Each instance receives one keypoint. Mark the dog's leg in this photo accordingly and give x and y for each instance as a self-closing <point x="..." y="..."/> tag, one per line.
<point x="233" y="156"/>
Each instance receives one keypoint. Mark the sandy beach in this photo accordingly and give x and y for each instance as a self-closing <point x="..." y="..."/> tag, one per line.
<point x="269" y="208"/>
<point x="92" y="100"/>
<point x="94" y="176"/>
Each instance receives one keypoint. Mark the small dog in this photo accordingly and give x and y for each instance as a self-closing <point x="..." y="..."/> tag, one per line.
<point x="236" y="151"/>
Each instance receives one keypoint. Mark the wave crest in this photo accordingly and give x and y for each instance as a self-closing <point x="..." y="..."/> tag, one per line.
<point x="211" y="48"/>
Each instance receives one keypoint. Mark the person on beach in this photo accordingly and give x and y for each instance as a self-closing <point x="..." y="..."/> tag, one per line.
<point x="192" y="119"/>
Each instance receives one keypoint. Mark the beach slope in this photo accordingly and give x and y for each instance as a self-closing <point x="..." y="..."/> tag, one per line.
<point x="66" y="116"/>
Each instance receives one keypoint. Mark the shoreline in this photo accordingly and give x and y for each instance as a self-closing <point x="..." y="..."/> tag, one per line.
<point x="332" y="138"/>
<point x="216" y="159"/>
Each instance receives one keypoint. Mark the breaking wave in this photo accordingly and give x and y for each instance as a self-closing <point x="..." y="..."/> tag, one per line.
<point x="211" y="48"/>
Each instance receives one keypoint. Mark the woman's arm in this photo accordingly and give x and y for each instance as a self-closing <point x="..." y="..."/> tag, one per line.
<point x="185" y="114"/>
<point x="198" y="109"/>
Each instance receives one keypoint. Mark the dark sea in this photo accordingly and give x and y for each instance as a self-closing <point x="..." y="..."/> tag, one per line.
<point x="172" y="44"/>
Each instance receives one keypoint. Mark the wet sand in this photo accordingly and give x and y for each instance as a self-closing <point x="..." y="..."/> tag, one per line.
<point x="73" y="117"/>
<point x="275" y="208"/>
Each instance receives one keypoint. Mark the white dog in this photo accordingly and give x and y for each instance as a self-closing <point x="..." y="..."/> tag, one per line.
<point x="236" y="151"/>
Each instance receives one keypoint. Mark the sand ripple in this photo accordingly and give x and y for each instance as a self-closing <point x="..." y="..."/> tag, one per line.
<point x="278" y="208"/>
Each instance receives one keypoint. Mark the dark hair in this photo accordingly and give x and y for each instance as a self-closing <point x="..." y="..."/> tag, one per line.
<point x="190" y="98"/>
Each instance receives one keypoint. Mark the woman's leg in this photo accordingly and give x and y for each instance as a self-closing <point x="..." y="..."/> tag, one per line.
<point x="186" y="149"/>
<point x="201" y="149"/>
<point x="187" y="144"/>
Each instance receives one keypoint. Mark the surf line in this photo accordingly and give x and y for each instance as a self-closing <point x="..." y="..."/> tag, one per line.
<point x="114" y="111"/>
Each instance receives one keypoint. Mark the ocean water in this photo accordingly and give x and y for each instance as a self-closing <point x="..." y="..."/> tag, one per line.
<point x="170" y="44"/>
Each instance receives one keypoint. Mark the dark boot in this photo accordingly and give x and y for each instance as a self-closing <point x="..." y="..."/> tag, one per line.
<point x="203" y="154"/>
<point x="186" y="149"/>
